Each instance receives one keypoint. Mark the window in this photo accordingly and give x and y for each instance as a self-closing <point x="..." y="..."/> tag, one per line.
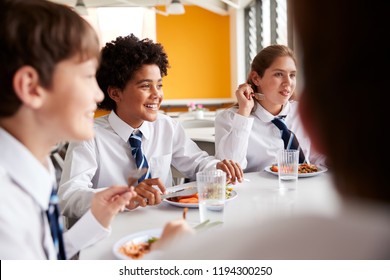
<point x="111" y="22"/>
<point x="266" y="22"/>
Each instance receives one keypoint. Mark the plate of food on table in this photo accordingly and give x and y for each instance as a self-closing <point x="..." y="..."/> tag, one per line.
<point x="136" y="245"/>
<point x="191" y="201"/>
<point x="304" y="169"/>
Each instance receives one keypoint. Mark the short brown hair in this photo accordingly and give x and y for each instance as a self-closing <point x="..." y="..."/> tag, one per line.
<point x="40" y="34"/>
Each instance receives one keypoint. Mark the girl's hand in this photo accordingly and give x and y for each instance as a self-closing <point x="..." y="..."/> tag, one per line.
<point x="244" y="94"/>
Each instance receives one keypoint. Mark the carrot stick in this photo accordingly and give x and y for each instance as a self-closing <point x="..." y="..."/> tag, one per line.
<point x="188" y="200"/>
<point x="189" y="196"/>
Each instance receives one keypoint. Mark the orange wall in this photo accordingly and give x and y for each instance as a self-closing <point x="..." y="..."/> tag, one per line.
<point x="198" y="48"/>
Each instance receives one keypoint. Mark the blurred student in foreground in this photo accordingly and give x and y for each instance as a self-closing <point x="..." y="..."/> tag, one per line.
<point x="48" y="94"/>
<point x="342" y="77"/>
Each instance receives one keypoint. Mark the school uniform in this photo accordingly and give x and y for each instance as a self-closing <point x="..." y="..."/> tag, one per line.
<point x="25" y="188"/>
<point x="253" y="141"/>
<point x="106" y="160"/>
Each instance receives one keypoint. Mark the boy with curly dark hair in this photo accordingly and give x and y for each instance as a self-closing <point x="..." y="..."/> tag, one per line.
<point x="130" y="75"/>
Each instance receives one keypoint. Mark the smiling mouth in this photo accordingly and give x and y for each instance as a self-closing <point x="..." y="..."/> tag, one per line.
<point x="152" y="106"/>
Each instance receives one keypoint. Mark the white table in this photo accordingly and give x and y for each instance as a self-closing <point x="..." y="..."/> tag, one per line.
<point x="259" y="198"/>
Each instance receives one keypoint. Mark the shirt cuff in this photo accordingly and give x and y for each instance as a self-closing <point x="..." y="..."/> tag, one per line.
<point x="84" y="233"/>
<point x="242" y="123"/>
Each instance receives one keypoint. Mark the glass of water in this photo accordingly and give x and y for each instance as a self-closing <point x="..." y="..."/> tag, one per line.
<point x="211" y="192"/>
<point x="288" y="161"/>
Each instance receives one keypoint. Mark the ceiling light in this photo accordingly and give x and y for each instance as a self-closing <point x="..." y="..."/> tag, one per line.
<point x="175" y="8"/>
<point x="80" y="8"/>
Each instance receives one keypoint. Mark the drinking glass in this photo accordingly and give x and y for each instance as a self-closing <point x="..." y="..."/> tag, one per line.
<point x="211" y="192"/>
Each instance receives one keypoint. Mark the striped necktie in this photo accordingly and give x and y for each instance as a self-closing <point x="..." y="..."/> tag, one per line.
<point x="289" y="138"/>
<point x="55" y="222"/>
<point x="135" y="141"/>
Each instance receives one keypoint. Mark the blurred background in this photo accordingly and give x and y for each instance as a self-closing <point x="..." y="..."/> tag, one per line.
<point x="209" y="43"/>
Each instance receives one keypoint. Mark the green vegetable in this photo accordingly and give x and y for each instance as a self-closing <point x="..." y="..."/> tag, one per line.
<point x="152" y="240"/>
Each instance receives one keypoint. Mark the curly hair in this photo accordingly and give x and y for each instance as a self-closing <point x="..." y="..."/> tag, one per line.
<point x="121" y="58"/>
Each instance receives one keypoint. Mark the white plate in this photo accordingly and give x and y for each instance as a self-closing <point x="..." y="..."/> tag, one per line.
<point x="321" y="169"/>
<point x="142" y="236"/>
<point x="233" y="195"/>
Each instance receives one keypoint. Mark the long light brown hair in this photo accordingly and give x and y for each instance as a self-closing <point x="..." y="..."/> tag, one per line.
<point x="264" y="59"/>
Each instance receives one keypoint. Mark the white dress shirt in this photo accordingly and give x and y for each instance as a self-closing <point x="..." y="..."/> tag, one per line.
<point x="25" y="188"/>
<point x="253" y="141"/>
<point x="107" y="160"/>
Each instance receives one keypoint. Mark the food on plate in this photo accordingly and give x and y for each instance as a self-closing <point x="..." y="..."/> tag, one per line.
<point x="193" y="199"/>
<point x="302" y="168"/>
<point x="185" y="199"/>
<point x="307" y="168"/>
<point x="137" y="250"/>
<point x="229" y="190"/>
<point x="274" y="168"/>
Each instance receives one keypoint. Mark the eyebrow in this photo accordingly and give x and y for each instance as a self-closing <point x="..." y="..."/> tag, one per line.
<point x="147" y="81"/>
<point x="281" y="70"/>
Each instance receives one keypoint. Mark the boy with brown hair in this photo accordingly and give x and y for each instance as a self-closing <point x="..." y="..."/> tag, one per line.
<point x="49" y="57"/>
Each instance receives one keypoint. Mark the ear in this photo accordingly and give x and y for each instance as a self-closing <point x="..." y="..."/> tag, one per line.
<point x="255" y="78"/>
<point x="308" y="121"/>
<point x="27" y="87"/>
<point x="114" y="93"/>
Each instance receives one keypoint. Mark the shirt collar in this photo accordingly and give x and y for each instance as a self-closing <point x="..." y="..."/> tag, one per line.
<point x="26" y="170"/>
<point x="266" y="116"/>
<point x="124" y="130"/>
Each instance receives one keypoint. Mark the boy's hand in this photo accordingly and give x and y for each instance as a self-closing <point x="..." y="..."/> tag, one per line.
<point x="107" y="203"/>
<point x="148" y="193"/>
<point x="233" y="171"/>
